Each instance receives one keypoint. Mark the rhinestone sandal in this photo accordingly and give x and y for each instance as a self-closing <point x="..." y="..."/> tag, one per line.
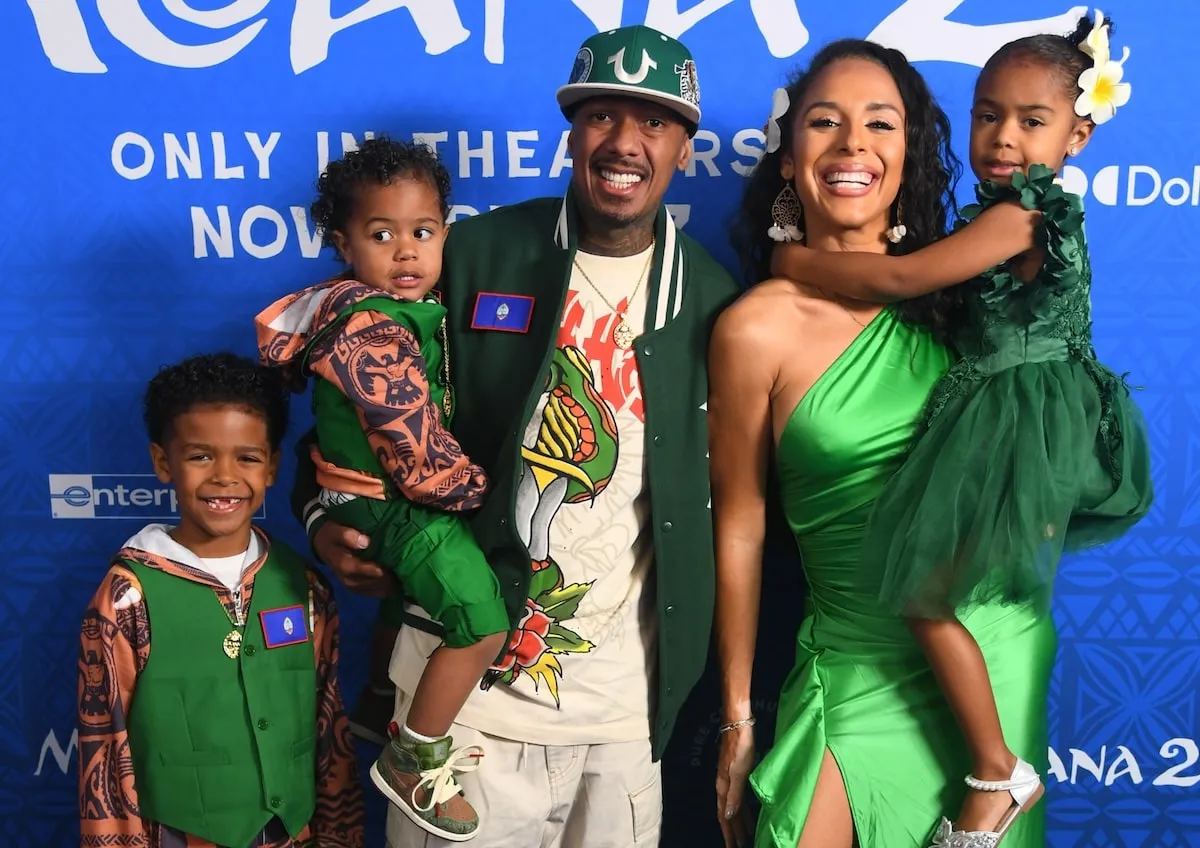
<point x="1025" y="787"/>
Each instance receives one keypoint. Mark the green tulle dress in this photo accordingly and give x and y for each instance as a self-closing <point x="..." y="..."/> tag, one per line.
<point x="1029" y="446"/>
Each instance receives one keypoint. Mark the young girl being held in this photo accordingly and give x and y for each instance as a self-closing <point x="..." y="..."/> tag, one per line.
<point x="1029" y="445"/>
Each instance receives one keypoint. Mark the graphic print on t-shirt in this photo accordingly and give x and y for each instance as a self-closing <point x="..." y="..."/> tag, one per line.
<point x="569" y="460"/>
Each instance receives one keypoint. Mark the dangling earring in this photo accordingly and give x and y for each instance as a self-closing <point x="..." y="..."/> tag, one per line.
<point x="897" y="233"/>
<point x="785" y="215"/>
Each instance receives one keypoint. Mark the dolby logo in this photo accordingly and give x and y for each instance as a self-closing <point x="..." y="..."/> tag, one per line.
<point x="1134" y="185"/>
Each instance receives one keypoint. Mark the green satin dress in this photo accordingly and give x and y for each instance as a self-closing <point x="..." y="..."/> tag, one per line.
<point x="861" y="686"/>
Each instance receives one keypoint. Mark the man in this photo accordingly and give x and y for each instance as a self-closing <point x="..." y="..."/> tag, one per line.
<point x="578" y="330"/>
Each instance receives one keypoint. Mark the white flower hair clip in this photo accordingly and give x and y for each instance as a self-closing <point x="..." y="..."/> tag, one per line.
<point x="1101" y="89"/>
<point x="779" y="107"/>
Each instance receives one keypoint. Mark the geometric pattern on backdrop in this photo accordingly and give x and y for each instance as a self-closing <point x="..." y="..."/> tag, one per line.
<point x="160" y="159"/>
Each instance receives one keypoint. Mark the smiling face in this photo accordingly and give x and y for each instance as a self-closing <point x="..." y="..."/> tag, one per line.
<point x="625" y="151"/>
<point x="1023" y="116"/>
<point x="848" y="147"/>
<point x="394" y="239"/>
<point x="219" y="459"/>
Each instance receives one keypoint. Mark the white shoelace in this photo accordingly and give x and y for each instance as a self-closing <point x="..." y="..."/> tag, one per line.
<point x="441" y="781"/>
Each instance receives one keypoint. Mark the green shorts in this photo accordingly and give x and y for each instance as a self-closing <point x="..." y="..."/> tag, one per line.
<point x="438" y="562"/>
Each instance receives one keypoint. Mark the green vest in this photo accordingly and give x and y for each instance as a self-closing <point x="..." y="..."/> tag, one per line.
<point x="219" y="745"/>
<point x="339" y="431"/>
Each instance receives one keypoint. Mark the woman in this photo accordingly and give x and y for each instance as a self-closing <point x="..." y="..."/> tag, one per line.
<point x="865" y="750"/>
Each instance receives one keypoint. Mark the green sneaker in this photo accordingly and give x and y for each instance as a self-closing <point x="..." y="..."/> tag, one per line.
<point x="419" y="779"/>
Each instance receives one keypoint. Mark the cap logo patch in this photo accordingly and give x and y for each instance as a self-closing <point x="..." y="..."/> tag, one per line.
<point x="689" y="85"/>
<point x="617" y="60"/>
<point x="582" y="69"/>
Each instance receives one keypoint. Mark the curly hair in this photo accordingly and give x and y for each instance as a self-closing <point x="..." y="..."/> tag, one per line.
<point x="931" y="171"/>
<point x="1059" y="53"/>
<point x="377" y="162"/>
<point x="215" y="379"/>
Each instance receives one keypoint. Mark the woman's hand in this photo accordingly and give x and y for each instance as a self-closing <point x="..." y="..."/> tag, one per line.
<point x="338" y="546"/>
<point x="734" y="762"/>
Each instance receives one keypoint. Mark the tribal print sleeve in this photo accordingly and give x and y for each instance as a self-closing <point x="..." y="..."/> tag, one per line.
<point x="377" y="364"/>
<point x="338" y="821"/>
<point x="114" y="647"/>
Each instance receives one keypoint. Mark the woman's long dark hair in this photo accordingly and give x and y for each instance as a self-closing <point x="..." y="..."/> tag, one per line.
<point x="931" y="171"/>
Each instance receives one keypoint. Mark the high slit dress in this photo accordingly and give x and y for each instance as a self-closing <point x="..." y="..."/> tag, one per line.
<point x="861" y="686"/>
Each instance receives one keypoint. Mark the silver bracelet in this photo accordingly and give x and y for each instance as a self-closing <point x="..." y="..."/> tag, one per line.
<point x="734" y="725"/>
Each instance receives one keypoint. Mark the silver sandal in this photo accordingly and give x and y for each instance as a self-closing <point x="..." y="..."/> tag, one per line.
<point x="1025" y="787"/>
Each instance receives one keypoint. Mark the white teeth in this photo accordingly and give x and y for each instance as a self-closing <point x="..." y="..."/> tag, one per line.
<point x="620" y="180"/>
<point x="855" y="177"/>
<point x="223" y="503"/>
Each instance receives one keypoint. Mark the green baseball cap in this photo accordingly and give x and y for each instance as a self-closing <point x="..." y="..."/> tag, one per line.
<point x="635" y="61"/>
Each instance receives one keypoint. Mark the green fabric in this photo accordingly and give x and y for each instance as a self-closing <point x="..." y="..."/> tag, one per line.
<point x="220" y="746"/>
<point x="635" y="61"/>
<point x="1030" y="445"/>
<point x="430" y="551"/>
<point x="427" y="755"/>
<point x="527" y="249"/>
<point x="861" y="687"/>
<point x="391" y="611"/>
<point x="438" y="562"/>
<point x="339" y="429"/>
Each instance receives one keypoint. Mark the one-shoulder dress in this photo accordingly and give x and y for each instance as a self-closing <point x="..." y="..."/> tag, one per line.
<point x="861" y="686"/>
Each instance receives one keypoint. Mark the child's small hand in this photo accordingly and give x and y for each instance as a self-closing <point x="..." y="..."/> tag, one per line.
<point x="785" y="257"/>
<point x="1013" y="216"/>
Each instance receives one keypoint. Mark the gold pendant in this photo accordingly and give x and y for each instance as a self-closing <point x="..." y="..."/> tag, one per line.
<point x="623" y="336"/>
<point x="233" y="644"/>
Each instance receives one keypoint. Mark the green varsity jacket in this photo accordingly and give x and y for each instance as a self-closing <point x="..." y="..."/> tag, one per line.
<point x="499" y="375"/>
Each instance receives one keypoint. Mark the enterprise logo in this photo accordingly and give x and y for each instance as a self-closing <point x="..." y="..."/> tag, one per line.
<point x="135" y="496"/>
<point x="111" y="496"/>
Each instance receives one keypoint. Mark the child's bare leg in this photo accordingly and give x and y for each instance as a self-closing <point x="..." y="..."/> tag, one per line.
<point x="447" y="681"/>
<point x="962" y="673"/>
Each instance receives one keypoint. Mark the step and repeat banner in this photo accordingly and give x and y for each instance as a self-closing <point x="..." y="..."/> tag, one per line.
<point x="159" y="157"/>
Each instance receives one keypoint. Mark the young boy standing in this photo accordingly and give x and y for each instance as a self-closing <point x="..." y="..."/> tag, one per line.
<point x="228" y="729"/>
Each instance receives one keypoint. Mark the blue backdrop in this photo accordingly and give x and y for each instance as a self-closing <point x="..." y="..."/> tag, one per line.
<point x="159" y="157"/>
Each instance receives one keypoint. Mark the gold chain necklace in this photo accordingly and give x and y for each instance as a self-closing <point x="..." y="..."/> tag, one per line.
<point x="845" y="308"/>
<point x="444" y="338"/>
<point x="622" y="334"/>
<point x="448" y="395"/>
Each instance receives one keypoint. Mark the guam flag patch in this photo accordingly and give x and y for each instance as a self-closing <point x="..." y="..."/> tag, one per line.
<point x="284" y="626"/>
<point x="510" y="313"/>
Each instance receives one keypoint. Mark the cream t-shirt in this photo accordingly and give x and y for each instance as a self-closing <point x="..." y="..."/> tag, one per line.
<point x="579" y="670"/>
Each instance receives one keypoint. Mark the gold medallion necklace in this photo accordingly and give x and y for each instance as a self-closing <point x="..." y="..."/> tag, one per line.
<point x="622" y="334"/>
<point x="232" y="643"/>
